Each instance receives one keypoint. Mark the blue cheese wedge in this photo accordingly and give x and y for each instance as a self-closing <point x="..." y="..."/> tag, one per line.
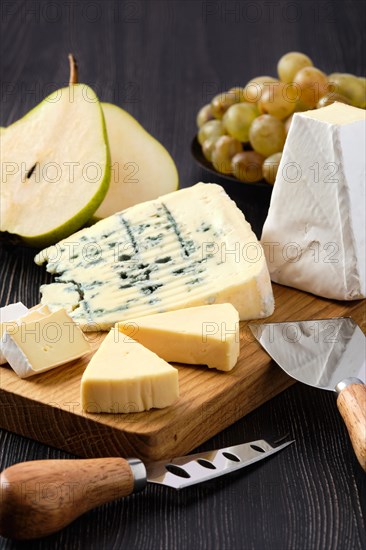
<point x="47" y="342"/>
<point x="125" y="377"/>
<point x="188" y="248"/>
<point x="203" y="335"/>
<point x="315" y="232"/>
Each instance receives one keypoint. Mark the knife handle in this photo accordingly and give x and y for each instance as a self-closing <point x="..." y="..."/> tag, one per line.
<point x="351" y="404"/>
<point x="41" y="497"/>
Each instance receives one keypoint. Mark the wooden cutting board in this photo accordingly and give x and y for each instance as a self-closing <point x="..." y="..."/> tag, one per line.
<point x="47" y="407"/>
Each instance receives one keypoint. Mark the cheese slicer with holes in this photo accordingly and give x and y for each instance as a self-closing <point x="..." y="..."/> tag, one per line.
<point x="41" y="497"/>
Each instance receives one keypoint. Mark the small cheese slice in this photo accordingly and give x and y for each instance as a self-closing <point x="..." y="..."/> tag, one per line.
<point x="189" y="248"/>
<point x="8" y="315"/>
<point x="203" y="335"/>
<point x="43" y="344"/>
<point x="124" y="377"/>
<point x="11" y="326"/>
<point x="314" y="236"/>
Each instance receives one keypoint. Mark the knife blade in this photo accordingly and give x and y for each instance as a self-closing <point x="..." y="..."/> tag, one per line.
<point x="196" y="468"/>
<point x="329" y="354"/>
<point x="41" y="497"/>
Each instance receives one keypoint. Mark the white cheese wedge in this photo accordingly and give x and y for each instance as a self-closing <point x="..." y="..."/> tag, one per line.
<point x="314" y="235"/>
<point x="189" y="248"/>
<point x="26" y="317"/>
<point x="125" y="377"/>
<point x="9" y="314"/>
<point x="37" y="346"/>
<point x="203" y="335"/>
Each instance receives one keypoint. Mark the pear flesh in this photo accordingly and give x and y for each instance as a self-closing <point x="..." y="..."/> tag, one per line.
<point x="55" y="167"/>
<point x="141" y="168"/>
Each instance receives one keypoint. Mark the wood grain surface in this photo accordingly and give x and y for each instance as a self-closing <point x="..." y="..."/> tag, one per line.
<point x="47" y="407"/>
<point x="162" y="60"/>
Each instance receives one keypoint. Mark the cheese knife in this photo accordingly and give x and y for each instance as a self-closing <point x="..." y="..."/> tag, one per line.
<point x="41" y="497"/>
<point x="329" y="354"/>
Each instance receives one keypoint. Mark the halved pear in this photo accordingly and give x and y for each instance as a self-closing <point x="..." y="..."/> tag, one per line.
<point x="141" y="168"/>
<point x="55" y="167"/>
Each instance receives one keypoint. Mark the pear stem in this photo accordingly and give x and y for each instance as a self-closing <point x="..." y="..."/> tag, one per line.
<point x="73" y="70"/>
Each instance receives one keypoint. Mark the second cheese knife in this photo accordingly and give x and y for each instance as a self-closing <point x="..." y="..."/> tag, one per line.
<point x="329" y="354"/>
<point x="41" y="497"/>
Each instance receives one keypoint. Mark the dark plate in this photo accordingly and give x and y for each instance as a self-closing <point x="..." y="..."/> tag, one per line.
<point x="260" y="186"/>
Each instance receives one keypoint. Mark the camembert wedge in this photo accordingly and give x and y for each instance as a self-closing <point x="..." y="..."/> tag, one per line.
<point x="125" y="377"/>
<point x="203" y="335"/>
<point x="188" y="248"/>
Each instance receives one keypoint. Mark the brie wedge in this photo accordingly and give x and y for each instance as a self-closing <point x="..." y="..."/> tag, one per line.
<point x="314" y="234"/>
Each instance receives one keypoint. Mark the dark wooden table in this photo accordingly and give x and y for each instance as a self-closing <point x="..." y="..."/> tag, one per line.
<point x="161" y="60"/>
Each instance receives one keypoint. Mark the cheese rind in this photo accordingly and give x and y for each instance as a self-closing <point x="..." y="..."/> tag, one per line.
<point x="12" y="312"/>
<point x="43" y="344"/>
<point x="11" y="326"/>
<point x="204" y="335"/>
<point x="8" y="316"/>
<point x="189" y="248"/>
<point x="125" y="377"/>
<point x="314" y="236"/>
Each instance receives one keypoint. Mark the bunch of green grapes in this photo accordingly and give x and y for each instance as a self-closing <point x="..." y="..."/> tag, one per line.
<point x="243" y="131"/>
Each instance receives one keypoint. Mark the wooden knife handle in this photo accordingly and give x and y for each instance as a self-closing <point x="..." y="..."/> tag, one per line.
<point x="41" y="497"/>
<point x="351" y="404"/>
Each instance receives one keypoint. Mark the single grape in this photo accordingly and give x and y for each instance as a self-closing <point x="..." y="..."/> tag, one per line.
<point x="330" y="98"/>
<point x="348" y="85"/>
<point x="278" y="100"/>
<point x="247" y="166"/>
<point x="208" y="147"/>
<point x="312" y="84"/>
<point x="204" y="115"/>
<point x="254" y="88"/>
<point x="237" y="120"/>
<point x="267" y="135"/>
<point x="290" y="64"/>
<point x="270" y="167"/>
<point x="225" y="149"/>
<point x="209" y="129"/>
<point x="239" y="94"/>
<point x="221" y="103"/>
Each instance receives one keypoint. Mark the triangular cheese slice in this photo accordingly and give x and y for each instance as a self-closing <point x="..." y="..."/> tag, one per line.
<point x="314" y="235"/>
<point x="203" y="335"/>
<point x="125" y="377"/>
